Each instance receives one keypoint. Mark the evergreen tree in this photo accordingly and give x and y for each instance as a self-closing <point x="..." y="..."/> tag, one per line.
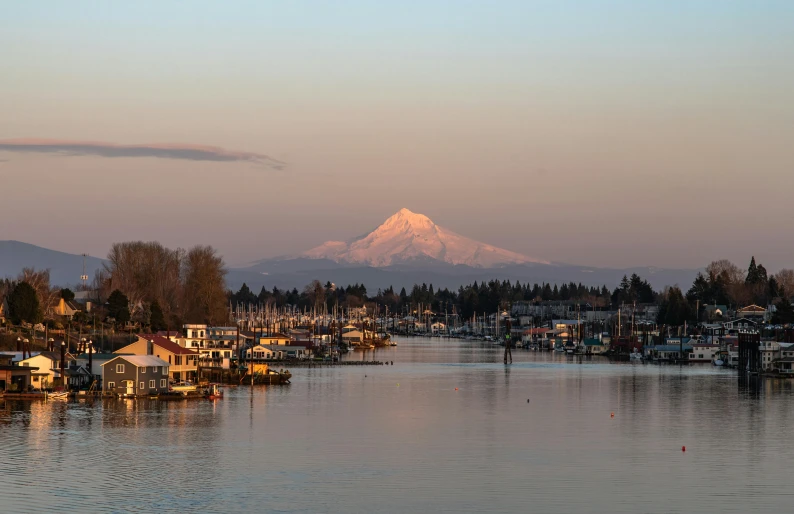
<point x="784" y="313"/>
<point x="118" y="307"/>
<point x="67" y="295"/>
<point x="23" y="304"/>
<point x="157" y="319"/>
<point x="675" y="310"/>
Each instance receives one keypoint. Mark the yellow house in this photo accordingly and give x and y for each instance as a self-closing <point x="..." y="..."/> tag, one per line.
<point x="64" y="308"/>
<point x="182" y="362"/>
<point x="276" y="338"/>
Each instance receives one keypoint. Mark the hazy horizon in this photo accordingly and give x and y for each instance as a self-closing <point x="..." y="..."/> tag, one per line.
<point x="614" y="135"/>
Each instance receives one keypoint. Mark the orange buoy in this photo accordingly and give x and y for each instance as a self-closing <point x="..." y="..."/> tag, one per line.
<point x="456" y="389"/>
<point x="611" y="414"/>
<point x="683" y="448"/>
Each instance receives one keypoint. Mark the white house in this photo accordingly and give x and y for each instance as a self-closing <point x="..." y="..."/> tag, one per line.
<point x="703" y="352"/>
<point x="770" y="351"/>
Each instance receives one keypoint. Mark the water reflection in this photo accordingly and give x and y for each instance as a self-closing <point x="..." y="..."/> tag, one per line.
<point x="350" y="439"/>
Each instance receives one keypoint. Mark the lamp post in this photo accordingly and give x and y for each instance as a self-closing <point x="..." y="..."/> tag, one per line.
<point x="63" y="362"/>
<point x="90" y="351"/>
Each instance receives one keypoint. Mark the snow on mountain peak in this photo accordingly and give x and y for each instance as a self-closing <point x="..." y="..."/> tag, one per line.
<point x="408" y="236"/>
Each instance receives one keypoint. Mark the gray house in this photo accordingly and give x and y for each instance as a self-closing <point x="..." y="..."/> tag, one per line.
<point x="135" y="375"/>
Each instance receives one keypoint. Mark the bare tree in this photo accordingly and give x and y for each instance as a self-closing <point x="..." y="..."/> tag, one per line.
<point x="40" y="281"/>
<point x="146" y="272"/>
<point x="785" y="281"/>
<point x="724" y="268"/>
<point x="204" y="293"/>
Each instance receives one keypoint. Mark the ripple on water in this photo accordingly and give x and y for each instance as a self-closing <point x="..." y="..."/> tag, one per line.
<point x="335" y="441"/>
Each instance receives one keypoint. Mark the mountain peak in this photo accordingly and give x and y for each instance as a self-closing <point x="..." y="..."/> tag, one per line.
<point x="407" y="236"/>
<point x="404" y="219"/>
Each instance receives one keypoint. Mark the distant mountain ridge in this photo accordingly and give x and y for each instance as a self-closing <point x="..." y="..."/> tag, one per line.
<point x="65" y="268"/>
<point x="409" y="264"/>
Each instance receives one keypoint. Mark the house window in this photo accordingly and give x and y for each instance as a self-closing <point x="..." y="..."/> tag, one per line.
<point x="152" y="384"/>
<point x="165" y="370"/>
<point x="169" y="359"/>
<point x="111" y="385"/>
<point x="163" y="383"/>
<point x="143" y="386"/>
<point x="143" y="369"/>
<point x="119" y="368"/>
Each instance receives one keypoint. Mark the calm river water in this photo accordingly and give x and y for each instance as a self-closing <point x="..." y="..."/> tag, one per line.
<point x="402" y="439"/>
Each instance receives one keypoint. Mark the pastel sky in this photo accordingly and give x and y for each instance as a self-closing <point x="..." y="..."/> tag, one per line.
<point x="608" y="133"/>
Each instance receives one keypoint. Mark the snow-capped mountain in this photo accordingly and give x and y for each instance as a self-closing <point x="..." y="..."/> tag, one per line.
<point x="409" y="237"/>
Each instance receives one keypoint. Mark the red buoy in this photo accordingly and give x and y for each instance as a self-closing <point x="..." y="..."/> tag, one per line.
<point x="456" y="389"/>
<point x="611" y="414"/>
<point x="683" y="448"/>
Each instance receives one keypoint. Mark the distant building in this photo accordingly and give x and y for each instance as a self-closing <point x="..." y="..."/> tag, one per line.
<point x="64" y="308"/>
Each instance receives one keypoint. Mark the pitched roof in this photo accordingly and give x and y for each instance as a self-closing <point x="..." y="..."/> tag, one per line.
<point x="140" y="360"/>
<point x="167" y="345"/>
<point x="752" y="308"/>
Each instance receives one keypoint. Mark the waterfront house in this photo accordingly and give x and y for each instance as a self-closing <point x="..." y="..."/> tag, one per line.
<point x="593" y="346"/>
<point x="537" y="335"/>
<point x="770" y="352"/>
<point x="261" y="352"/>
<point x="48" y="368"/>
<point x="135" y="375"/>
<point x="14" y="377"/>
<point x="740" y="325"/>
<point x="274" y="339"/>
<point x="97" y="360"/>
<point x="216" y="346"/>
<point x="182" y="362"/>
<point x="785" y="363"/>
<point x="669" y="352"/>
<point x="353" y="336"/>
<point x="703" y="352"/>
<point x="77" y="377"/>
<point x="754" y="312"/>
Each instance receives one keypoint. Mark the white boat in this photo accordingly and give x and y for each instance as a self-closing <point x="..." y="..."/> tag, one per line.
<point x="718" y="362"/>
<point x="60" y="395"/>
<point x="184" y="387"/>
<point x="635" y="355"/>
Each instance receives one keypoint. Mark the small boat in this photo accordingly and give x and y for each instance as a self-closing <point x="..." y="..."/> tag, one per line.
<point x="184" y="387"/>
<point x="59" y="395"/>
<point x="635" y="355"/>
<point x="214" y="392"/>
<point x="718" y="362"/>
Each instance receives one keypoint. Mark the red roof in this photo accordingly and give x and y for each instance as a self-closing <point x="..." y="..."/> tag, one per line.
<point x="167" y="344"/>
<point x="534" y="331"/>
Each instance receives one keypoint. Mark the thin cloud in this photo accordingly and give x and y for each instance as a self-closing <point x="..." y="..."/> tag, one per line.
<point x="160" y="151"/>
